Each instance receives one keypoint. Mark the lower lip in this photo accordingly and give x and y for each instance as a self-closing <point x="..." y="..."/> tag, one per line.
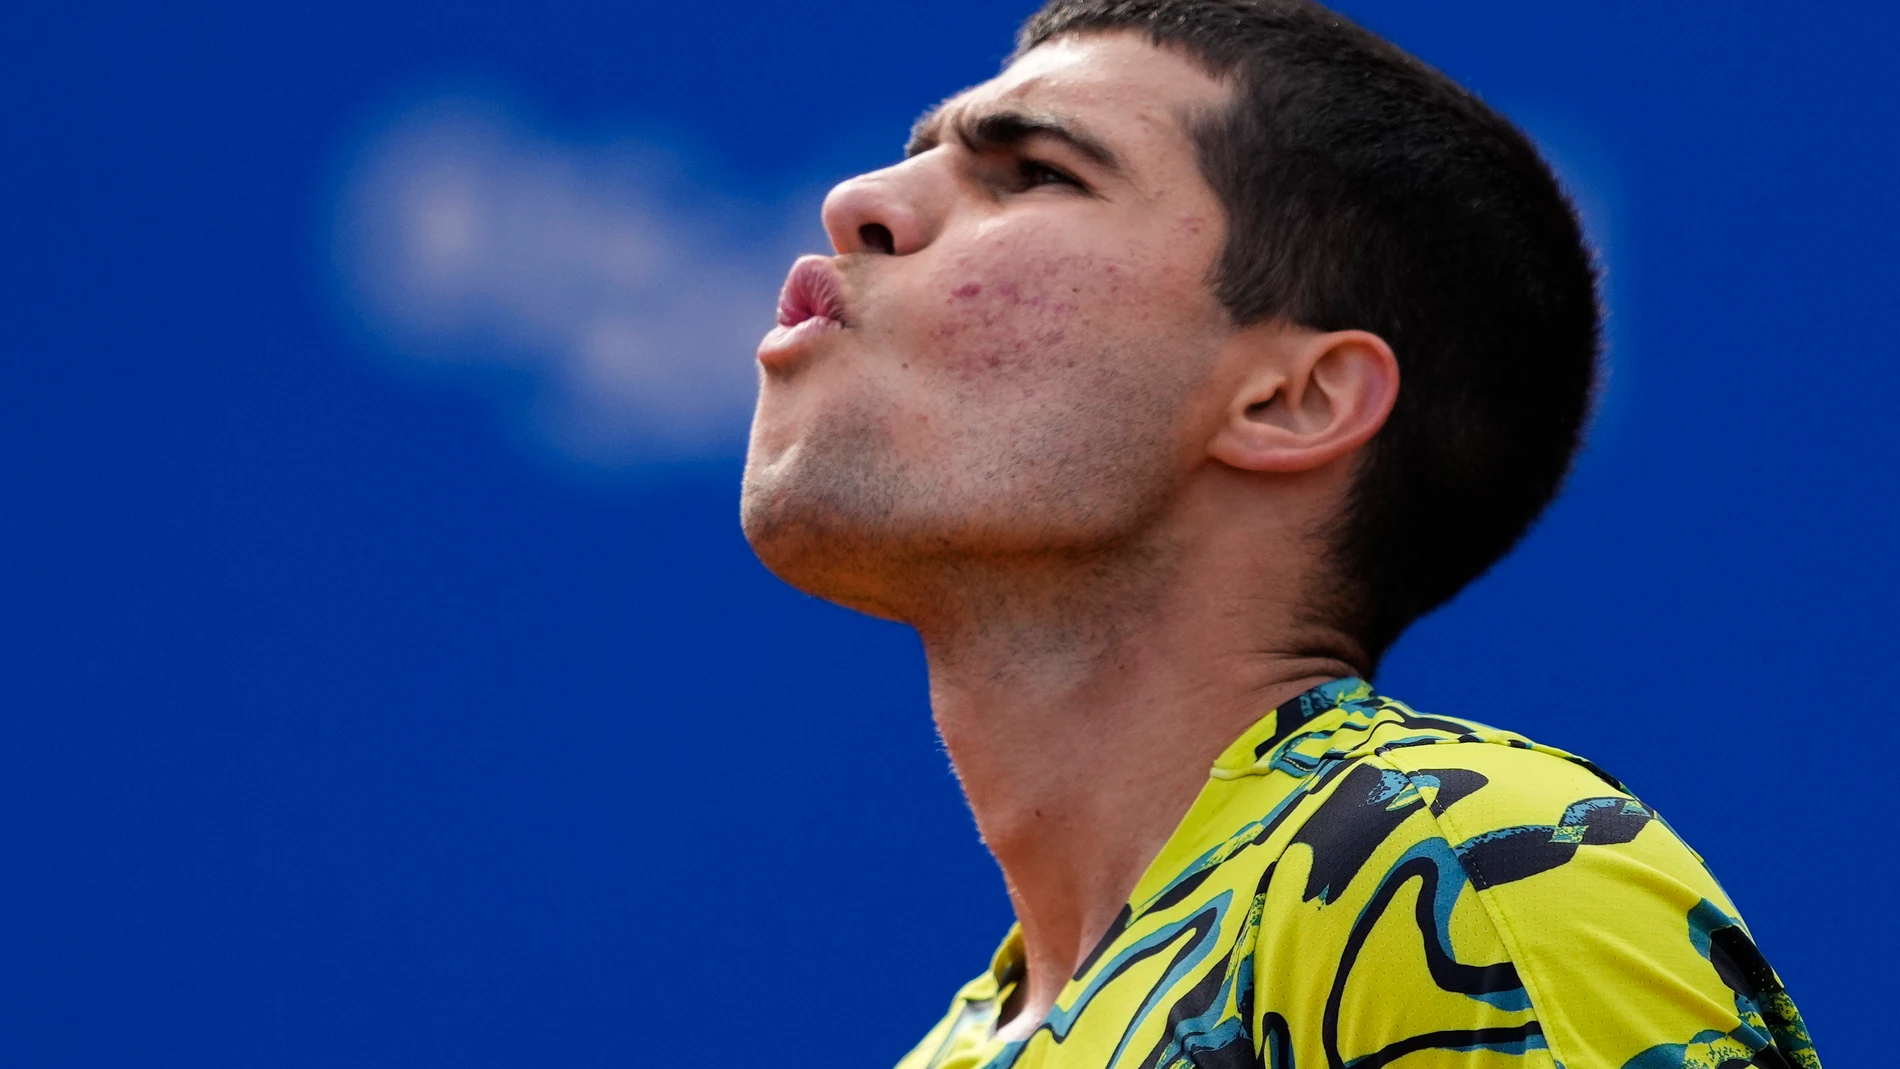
<point x="782" y="345"/>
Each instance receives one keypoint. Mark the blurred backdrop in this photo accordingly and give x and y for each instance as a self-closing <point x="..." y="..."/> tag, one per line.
<point x="385" y="681"/>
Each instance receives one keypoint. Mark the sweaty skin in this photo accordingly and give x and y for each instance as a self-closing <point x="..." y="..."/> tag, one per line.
<point x="1039" y="439"/>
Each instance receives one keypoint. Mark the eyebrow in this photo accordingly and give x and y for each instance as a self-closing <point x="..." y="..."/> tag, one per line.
<point x="1009" y="128"/>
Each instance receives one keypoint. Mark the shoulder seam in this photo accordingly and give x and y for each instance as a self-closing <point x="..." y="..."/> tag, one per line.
<point x="1519" y="744"/>
<point x="1499" y="923"/>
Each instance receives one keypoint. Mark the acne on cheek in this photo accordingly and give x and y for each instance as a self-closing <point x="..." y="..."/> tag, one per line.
<point x="1018" y="323"/>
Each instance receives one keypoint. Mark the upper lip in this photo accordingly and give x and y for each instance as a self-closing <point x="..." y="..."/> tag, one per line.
<point x="812" y="289"/>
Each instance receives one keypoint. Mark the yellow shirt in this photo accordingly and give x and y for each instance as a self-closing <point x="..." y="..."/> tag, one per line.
<point x="1359" y="885"/>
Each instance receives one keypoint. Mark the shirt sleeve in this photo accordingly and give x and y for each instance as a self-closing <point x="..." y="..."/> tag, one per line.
<point x="1558" y="917"/>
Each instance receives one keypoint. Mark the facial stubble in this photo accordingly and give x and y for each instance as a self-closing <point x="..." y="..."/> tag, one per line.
<point x="1072" y="481"/>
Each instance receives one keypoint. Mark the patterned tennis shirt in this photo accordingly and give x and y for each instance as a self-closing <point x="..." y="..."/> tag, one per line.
<point x="1360" y="885"/>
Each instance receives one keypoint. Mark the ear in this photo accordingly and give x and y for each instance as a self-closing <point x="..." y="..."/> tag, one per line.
<point x="1305" y="398"/>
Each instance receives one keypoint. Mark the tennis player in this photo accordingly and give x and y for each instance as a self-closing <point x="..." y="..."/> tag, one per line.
<point x="1168" y="378"/>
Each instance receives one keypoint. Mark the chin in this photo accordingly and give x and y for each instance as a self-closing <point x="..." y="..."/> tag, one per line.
<point x="818" y="565"/>
<point x="824" y="536"/>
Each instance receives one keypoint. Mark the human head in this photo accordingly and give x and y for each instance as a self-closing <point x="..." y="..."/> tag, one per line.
<point x="1354" y="189"/>
<point x="1363" y="189"/>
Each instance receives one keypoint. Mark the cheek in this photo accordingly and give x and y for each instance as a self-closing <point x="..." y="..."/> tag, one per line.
<point x="1035" y="356"/>
<point x="1010" y="315"/>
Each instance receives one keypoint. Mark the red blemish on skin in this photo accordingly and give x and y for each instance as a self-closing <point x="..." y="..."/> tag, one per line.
<point x="979" y="363"/>
<point x="968" y="290"/>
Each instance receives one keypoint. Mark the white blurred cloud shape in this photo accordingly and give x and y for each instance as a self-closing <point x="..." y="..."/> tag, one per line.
<point x="632" y="298"/>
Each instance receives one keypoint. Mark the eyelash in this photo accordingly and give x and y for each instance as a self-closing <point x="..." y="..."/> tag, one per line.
<point x="1030" y="170"/>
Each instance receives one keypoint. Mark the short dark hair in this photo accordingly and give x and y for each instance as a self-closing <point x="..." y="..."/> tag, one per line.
<point x="1365" y="190"/>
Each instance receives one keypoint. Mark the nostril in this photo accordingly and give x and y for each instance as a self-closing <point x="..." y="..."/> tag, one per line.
<point x="878" y="236"/>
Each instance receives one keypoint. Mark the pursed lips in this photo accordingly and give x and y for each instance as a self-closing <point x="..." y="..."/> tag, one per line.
<point x="810" y="305"/>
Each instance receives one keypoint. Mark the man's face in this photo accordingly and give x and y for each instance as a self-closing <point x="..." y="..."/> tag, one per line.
<point x="998" y="361"/>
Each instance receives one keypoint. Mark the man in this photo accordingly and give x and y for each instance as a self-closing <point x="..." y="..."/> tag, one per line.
<point x="1170" y="376"/>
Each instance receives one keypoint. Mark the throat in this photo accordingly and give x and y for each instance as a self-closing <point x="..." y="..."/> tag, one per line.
<point x="1078" y="790"/>
<point x="1083" y="718"/>
<point x="1074" y="805"/>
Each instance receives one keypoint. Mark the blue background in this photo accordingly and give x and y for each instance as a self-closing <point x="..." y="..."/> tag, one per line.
<point x="338" y="731"/>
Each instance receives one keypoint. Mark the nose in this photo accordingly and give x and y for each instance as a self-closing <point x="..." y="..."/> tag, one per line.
<point x="889" y="211"/>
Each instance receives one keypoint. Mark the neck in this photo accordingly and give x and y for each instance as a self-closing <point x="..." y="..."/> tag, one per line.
<point x="1082" y="705"/>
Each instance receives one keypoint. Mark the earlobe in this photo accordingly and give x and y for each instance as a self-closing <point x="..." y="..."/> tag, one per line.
<point x="1307" y="399"/>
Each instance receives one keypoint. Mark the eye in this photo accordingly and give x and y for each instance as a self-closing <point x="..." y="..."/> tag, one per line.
<point x="1035" y="173"/>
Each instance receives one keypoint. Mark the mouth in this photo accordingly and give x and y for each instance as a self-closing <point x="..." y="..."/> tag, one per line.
<point x="810" y="306"/>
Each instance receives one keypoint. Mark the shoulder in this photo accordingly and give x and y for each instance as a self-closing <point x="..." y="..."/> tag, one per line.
<point x="1503" y="799"/>
<point x="1513" y="808"/>
<point x="1616" y="931"/>
<point x="1471" y="777"/>
<point x="1404" y="737"/>
<point x="1509" y="808"/>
